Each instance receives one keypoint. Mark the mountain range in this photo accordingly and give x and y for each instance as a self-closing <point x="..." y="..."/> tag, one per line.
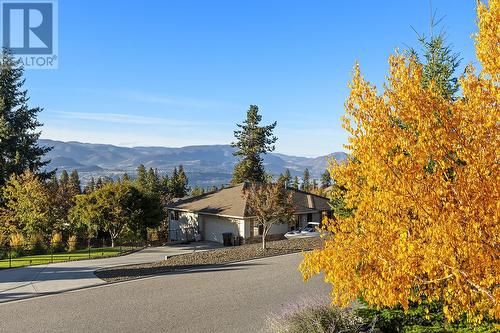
<point x="205" y="165"/>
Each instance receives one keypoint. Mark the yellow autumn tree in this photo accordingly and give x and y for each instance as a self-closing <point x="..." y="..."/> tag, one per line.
<point x="422" y="184"/>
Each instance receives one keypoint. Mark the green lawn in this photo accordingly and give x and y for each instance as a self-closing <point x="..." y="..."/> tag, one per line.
<point x="65" y="256"/>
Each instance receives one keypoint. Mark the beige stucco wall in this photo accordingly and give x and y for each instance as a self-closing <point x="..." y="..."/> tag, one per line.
<point x="212" y="227"/>
<point x="279" y="229"/>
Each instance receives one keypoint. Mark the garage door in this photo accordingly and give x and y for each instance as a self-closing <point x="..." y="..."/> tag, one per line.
<point x="214" y="227"/>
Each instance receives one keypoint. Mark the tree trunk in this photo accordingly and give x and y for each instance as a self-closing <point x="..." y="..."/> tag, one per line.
<point x="112" y="241"/>
<point x="264" y="233"/>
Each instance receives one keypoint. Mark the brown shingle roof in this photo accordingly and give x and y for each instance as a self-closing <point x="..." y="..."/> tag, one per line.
<point x="230" y="201"/>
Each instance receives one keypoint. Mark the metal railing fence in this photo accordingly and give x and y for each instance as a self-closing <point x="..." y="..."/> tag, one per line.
<point x="44" y="253"/>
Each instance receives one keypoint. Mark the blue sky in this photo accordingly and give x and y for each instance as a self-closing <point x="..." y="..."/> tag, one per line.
<point x="177" y="73"/>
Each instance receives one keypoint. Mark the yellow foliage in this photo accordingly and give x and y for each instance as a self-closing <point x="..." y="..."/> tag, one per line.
<point x="423" y="183"/>
<point x="487" y="48"/>
<point x="16" y="240"/>
<point x="56" y="238"/>
<point x="72" y="243"/>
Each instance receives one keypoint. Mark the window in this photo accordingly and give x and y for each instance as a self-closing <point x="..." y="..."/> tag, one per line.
<point x="309" y="217"/>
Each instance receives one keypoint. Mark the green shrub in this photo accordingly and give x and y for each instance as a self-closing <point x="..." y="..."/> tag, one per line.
<point x="314" y="316"/>
<point x="38" y="248"/>
<point x="420" y="318"/>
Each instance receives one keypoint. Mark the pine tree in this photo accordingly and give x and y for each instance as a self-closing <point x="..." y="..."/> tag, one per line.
<point x="64" y="178"/>
<point x="285" y="178"/>
<point x="252" y="140"/>
<point x="439" y="66"/>
<point x="295" y="183"/>
<point x="165" y="185"/>
<point x="141" y="177"/>
<point x="288" y="178"/>
<point x="19" y="149"/>
<point x="125" y="177"/>
<point x="172" y="184"/>
<point x="306" y="181"/>
<point x="74" y="183"/>
<point x="182" y="182"/>
<point x="178" y="183"/>
<point x="326" y="180"/>
<point x="153" y="182"/>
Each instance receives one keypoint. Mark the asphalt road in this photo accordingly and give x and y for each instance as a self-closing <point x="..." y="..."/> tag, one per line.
<point x="230" y="298"/>
<point x="31" y="281"/>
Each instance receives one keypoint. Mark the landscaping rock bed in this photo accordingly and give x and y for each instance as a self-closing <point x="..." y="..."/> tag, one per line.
<point x="209" y="258"/>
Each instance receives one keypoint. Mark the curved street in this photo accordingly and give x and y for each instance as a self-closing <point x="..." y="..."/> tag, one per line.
<point x="25" y="282"/>
<point x="228" y="298"/>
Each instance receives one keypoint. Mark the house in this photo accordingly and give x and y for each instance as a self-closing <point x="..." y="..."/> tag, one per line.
<point x="210" y="215"/>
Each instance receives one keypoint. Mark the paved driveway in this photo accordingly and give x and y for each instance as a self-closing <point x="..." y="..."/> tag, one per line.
<point x="227" y="298"/>
<point x="32" y="281"/>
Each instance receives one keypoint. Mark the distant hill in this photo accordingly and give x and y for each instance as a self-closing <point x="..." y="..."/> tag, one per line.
<point x="205" y="165"/>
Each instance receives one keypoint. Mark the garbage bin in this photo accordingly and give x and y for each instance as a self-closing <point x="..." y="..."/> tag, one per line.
<point x="226" y="237"/>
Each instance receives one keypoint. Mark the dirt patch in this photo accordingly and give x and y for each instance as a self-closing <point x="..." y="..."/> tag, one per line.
<point x="208" y="258"/>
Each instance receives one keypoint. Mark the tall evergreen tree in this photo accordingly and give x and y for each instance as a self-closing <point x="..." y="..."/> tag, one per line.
<point x="153" y="181"/>
<point x="182" y="182"/>
<point x="64" y="178"/>
<point x="172" y="184"/>
<point x="295" y="183"/>
<point x="178" y="183"/>
<point x="74" y="183"/>
<point x="141" y="177"/>
<point x="288" y="178"/>
<point x="440" y="64"/>
<point x="306" y="181"/>
<point x="165" y="185"/>
<point x="252" y="140"/>
<point x="326" y="179"/>
<point x="285" y="178"/>
<point x="19" y="149"/>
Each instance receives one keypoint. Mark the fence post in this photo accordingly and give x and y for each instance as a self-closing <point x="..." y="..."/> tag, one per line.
<point x="88" y="243"/>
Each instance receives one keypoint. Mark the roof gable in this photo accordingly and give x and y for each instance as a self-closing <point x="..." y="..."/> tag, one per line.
<point x="228" y="201"/>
